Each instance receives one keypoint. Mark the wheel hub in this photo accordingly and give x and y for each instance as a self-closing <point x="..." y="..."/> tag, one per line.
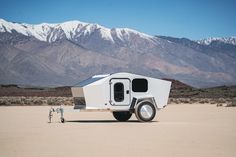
<point x="146" y="111"/>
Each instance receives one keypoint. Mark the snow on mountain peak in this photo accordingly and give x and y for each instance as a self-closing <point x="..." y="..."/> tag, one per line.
<point x="227" y="40"/>
<point x="70" y="29"/>
<point x="128" y="30"/>
<point x="124" y="33"/>
<point x="2" y="20"/>
<point x="9" y="26"/>
<point x="50" y="32"/>
<point x="106" y="33"/>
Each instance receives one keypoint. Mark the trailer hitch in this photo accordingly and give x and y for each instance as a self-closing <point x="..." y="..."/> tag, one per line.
<point x="57" y="110"/>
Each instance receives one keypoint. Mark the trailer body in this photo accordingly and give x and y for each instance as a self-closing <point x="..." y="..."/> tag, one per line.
<point x="120" y="92"/>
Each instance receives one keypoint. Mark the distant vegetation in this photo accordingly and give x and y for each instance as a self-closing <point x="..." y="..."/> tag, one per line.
<point x="14" y="90"/>
<point x="180" y="93"/>
<point x="181" y="90"/>
<point x="34" y="101"/>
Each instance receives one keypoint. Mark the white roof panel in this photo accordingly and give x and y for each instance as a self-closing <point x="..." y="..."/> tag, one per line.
<point x="91" y="80"/>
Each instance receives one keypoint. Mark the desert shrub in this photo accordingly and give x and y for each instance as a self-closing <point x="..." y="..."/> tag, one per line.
<point x="212" y="102"/>
<point x="22" y="99"/>
<point x="4" y="102"/>
<point x="7" y="101"/>
<point x="15" y="101"/>
<point x="192" y="100"/>
<point x="206" y="101"/>
<point x="221" y="100"/>
<point x="185" y="100"/>
<point x="231" y="104"/>
<point x="55" y="101"/>
<point x="201" y="101"/>
<point x="177" y="101"/>
<point x="37" y="101"/>
<point x="44" y="101"/>
<point x="67" y="103"/>
<point x="171" y="100"/>
<point x="27" y="101"/>
<point x="51" y="101"/>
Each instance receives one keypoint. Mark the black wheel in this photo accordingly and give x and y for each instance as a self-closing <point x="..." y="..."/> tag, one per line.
<point x="145" y="111"/>
<point x="122" y="116"/>
<point x="62" y="120"/>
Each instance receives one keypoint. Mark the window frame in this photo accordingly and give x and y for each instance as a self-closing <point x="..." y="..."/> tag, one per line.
<point x="119" y="93"/>
<point x="137" y="90"/>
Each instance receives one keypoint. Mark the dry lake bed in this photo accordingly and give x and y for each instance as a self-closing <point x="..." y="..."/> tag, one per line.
<point x="183" y="130"/>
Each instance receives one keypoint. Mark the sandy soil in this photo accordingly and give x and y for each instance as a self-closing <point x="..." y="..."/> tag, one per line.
<point x="178" y="130"/>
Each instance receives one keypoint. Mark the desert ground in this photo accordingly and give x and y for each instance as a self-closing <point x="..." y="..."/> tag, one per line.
<point x="178" y="130"/>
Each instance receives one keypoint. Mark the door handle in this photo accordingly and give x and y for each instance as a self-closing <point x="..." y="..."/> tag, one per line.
<point x="127" y="92"/>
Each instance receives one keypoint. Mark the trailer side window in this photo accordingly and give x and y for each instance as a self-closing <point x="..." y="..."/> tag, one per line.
<point x="119" y="92"/>
<point x="139" y="85"/>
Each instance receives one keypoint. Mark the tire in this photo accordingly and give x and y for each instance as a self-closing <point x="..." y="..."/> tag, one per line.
<point x="122" y="116"/>
<point x="62" y="120"/>
<point x="145" y="111"/>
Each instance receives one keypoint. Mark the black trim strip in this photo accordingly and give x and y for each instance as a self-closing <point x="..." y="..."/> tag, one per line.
<point x="134" y="100"/>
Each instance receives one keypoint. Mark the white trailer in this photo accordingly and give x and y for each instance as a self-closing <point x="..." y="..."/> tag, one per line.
<point x="123" y="94"/>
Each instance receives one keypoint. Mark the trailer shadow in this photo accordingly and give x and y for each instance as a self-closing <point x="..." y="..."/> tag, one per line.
<point x="105" y="121"/>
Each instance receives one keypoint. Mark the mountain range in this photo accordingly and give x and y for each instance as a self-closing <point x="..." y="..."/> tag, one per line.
<point x="65" y="53"/>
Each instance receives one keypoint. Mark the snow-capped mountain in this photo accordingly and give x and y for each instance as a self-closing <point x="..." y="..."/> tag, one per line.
<point x="226" y="40"/>
<point x="70" y="30"/>
<point x="65" y="53"/>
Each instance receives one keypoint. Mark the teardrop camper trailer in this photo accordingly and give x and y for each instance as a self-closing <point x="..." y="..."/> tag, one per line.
<point x="123" y="94"/>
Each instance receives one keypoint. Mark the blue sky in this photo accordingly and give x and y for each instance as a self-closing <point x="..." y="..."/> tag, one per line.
<point x="194" y="19"/>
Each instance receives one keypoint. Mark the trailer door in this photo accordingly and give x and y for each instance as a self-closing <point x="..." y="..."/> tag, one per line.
<point x="120" y="92"/>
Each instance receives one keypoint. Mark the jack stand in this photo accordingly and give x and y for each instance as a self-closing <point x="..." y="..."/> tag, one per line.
<point x="58" y="110"/>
